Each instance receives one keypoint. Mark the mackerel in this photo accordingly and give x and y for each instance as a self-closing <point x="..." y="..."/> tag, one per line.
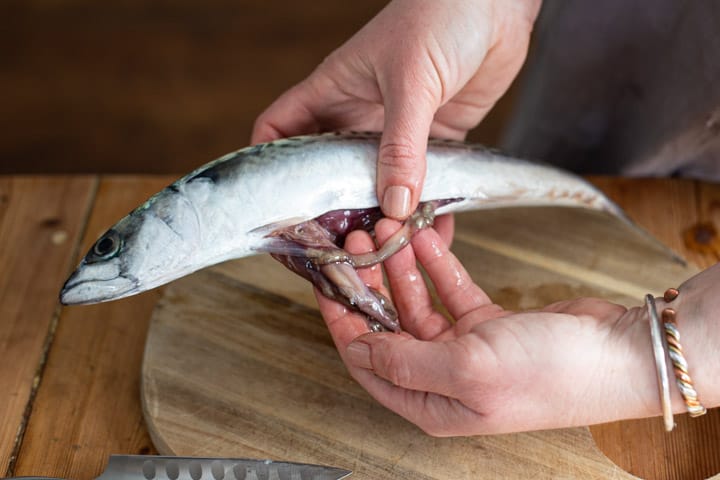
<point x="253" y="200"/>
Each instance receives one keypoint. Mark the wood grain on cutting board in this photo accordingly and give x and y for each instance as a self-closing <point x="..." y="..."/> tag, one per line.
<point x="239" y="363"/>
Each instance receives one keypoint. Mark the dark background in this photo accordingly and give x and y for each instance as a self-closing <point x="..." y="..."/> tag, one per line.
<point x="156" y="86"/>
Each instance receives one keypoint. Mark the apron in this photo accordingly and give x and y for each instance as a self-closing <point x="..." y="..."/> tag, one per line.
<point x="627" y="87"/>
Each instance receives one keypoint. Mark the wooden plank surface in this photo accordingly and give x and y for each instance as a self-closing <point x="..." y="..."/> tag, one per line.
<point x="670" y="209"/>
<point x="87" y="401"/>
<point x="238" y="363"/>
<point x="87" y="405"/>
<point x="41" y="220"/>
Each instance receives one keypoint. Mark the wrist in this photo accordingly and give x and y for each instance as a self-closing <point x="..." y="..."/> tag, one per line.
<point x="640" y="360"/>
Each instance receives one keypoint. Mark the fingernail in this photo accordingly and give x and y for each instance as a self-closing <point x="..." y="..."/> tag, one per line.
<point x="396" y="202"/>
<point x="358" y="354"/>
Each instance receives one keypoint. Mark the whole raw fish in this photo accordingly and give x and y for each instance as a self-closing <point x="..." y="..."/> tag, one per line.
<point x="296" y="198"/>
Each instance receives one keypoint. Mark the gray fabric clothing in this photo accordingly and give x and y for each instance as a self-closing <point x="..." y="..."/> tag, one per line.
<point x="622" y="86"/>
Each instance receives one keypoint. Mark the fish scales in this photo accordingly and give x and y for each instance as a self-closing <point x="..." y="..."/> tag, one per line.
<point x="229" y="207"/>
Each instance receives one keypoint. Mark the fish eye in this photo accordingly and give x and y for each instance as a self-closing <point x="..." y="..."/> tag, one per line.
<point x="108" y="245"/>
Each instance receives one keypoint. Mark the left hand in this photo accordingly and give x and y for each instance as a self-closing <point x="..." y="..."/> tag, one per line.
<point x="572" y="363"/>
<point x="419" y="68"/>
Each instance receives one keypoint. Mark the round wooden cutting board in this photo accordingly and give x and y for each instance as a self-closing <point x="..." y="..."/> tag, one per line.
<point x="239" y="363"/>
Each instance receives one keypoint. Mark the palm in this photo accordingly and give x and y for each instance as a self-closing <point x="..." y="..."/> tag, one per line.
<point x="492" y="370"/>
<point x="526" y="358"/>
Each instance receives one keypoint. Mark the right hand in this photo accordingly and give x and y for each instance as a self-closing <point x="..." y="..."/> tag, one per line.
<point x="419" y="68"/>
<point x="490" y="370"/>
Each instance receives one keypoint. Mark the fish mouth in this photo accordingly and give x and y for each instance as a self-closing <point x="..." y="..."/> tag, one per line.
<point x="79" y="290"/>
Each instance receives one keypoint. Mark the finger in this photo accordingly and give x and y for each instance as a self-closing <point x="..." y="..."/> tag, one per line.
<point x="359" y="242"/>
<point x="288" y="116"/>
<point x="437" y="415"/>
<point x="401" y="158"/>
<point x="456" y="289"/>
<point x="410" y="293"/>
<point x="344" y="324"/>
<point x="444" y="225"/>
<point x="444" y="368"/>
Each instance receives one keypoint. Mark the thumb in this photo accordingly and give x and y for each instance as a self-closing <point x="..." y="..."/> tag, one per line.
<point x="401" y="158"/>
<point x="291" y="114"/>
<point x="410" y="363"/>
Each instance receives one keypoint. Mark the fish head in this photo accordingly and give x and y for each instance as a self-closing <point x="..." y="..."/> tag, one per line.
<point x="149" y="247"/>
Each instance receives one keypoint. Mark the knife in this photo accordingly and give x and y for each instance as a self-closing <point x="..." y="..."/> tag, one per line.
<point x="152" y="467"/>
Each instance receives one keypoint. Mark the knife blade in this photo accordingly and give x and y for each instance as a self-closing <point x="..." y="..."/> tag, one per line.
<point x="152" y="467"/>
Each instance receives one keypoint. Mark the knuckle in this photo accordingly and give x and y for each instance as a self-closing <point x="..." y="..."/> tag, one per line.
<point x="397" y="368"/>
<point x="400" y="157"/>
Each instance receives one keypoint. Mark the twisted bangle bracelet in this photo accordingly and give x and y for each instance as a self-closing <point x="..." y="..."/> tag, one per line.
<point x="675" y="351"/>
<point x="659" y="347"/>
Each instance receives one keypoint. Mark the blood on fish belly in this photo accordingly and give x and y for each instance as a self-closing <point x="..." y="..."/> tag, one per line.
<point x="313" y="250"/>
<point x="297" y="199"/>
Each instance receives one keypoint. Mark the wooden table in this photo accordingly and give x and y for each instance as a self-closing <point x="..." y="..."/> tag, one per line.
<point x="69" y="378"/>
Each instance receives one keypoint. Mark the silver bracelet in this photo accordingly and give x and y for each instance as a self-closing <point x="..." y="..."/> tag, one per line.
<point x="659" y="346"/>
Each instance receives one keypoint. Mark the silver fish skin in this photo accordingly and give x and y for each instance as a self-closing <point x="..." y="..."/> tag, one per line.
<point x="227" y="208"/>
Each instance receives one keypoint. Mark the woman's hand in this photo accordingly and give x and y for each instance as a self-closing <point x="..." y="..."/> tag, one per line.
<point x="572" y="363"/>
<point x="419" y="68"/>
